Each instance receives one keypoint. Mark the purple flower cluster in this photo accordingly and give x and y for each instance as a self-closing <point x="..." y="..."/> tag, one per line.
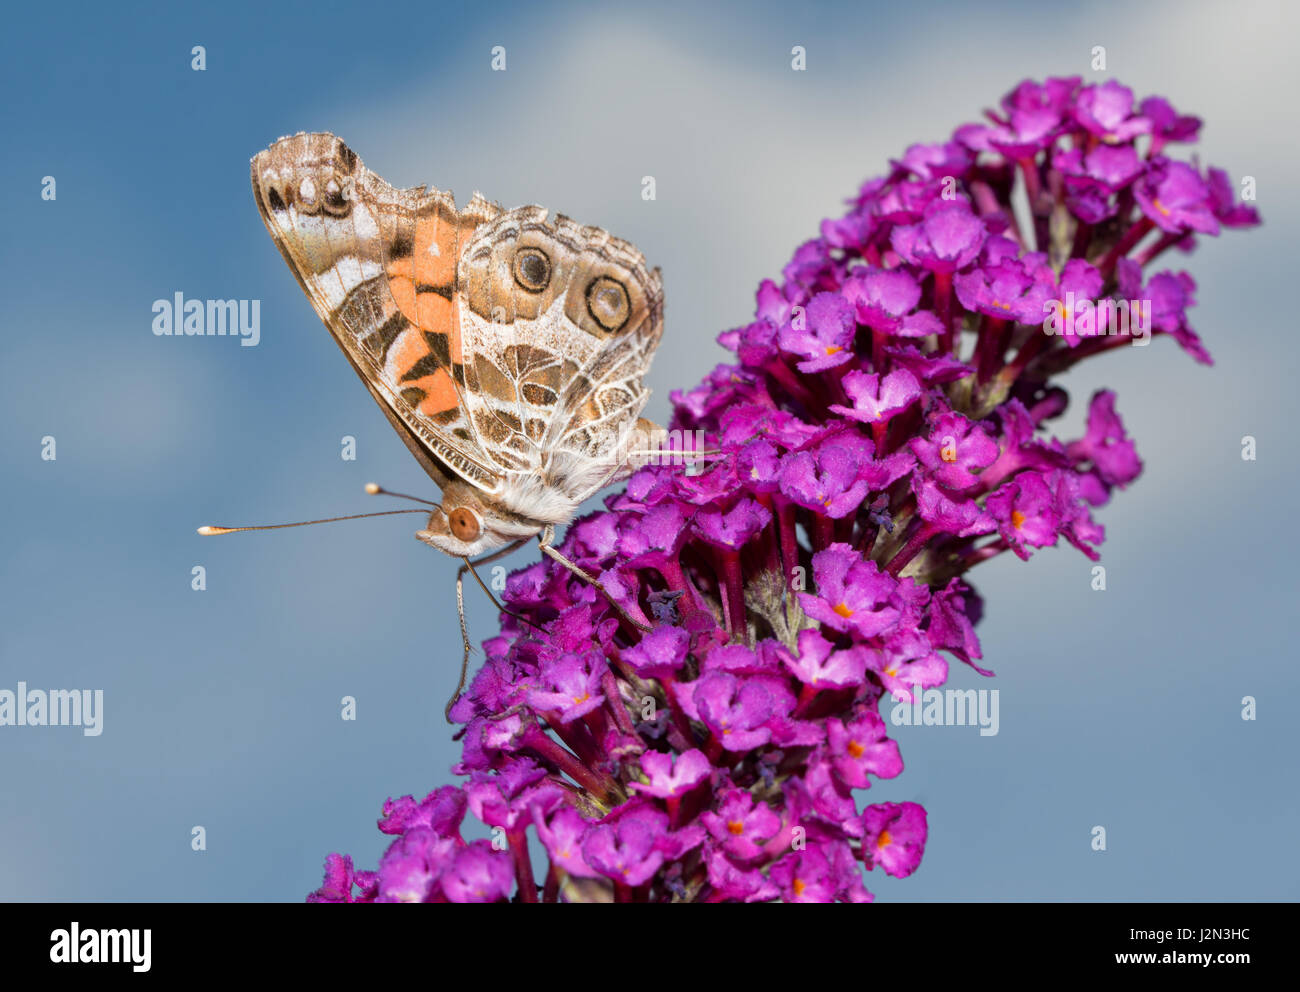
<point x="879" y="434"/>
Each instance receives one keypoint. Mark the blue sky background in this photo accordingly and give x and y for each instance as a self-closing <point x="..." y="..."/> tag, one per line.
<point x="1119" y="708"/>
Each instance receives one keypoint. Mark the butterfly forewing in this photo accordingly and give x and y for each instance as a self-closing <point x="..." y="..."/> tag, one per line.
<point x="351" y="239"/>
<point x="507" y="347"/>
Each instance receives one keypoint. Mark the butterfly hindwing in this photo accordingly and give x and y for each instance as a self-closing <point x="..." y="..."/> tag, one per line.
<point x="550" y="307"/>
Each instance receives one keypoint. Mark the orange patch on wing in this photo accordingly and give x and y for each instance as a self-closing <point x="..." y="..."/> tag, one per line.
<point x="408" y="349"/>
<point x="436" y="266"/>
<point x="437" y="313"/>
<point x="403" y="290"/>
<point x="428" y="312"/>
<point x="453" y="330"/>
<point x="432" y="312"/>
<point x="439" y="393"/>
<point x="433" y="260"/>
<point x="432" y="263"/>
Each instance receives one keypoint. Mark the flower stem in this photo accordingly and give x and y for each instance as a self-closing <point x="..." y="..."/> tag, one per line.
<point x="823" y="531"/>
<point x="622" y="719"/>
<point x="785" y="517"/>
<point x="1131" y="237"/>
<point x="551" y="888"/>
<point x="923" y="533"/>
<point x="602" y="787"/>
<point x="734" y="587"/>
<point x="943" y="308"/>
<point x="523" y="866"/>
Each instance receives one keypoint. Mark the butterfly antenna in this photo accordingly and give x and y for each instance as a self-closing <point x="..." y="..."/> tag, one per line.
<point x="208" y="530"/>
<point x="375" y="489"/>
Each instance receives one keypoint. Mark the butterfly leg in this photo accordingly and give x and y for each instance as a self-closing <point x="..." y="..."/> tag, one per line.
<point x="545" y="538"/>
<point x="460" y="611"/>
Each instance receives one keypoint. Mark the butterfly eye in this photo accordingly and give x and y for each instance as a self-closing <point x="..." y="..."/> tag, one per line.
<point x="607" y="303"/>
<point x="464" y="525"/>
<point x="532" y="269"/>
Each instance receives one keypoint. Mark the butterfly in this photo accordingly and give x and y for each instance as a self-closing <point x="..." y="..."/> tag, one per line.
<point x="508" y="348"/>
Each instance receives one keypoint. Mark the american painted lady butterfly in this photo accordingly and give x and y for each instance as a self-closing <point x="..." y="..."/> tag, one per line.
<point x="506" y="347"/>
